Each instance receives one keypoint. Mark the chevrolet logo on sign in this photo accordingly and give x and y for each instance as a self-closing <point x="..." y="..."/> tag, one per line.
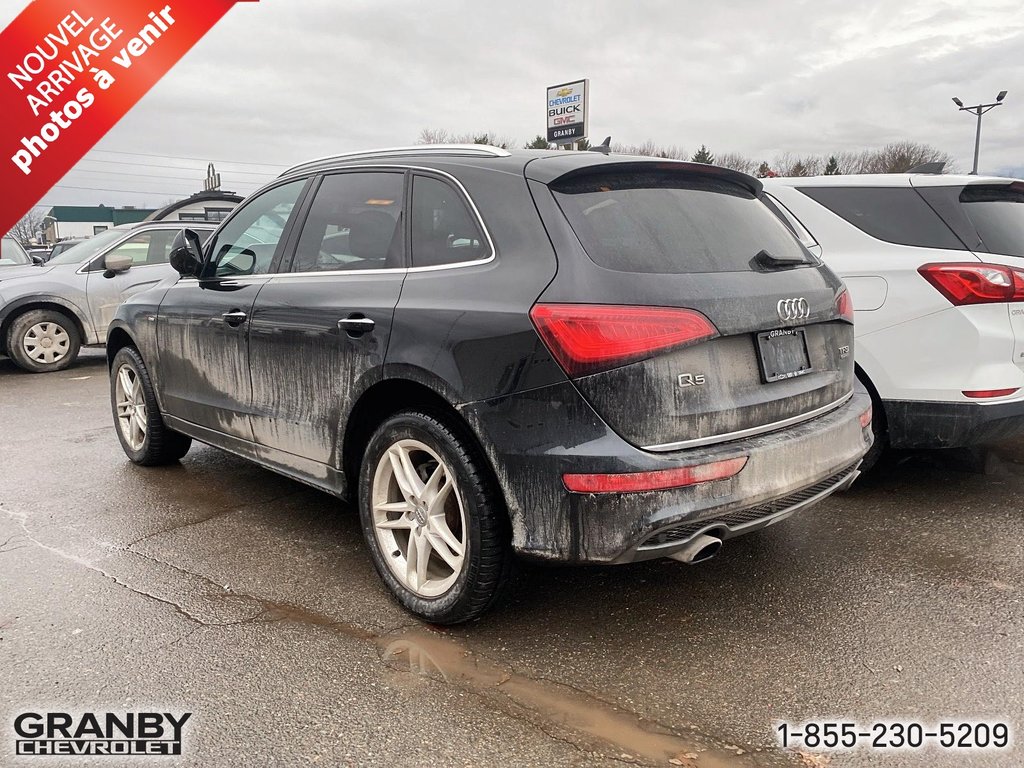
<point x="564" y="92"/>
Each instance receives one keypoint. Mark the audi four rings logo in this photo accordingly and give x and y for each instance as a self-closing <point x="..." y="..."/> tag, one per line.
<point x="793" y="309"/>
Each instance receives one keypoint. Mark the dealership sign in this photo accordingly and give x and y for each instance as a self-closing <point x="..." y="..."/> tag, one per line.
<point x="567" y="112"/>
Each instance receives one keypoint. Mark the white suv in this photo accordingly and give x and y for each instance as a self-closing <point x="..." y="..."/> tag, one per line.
<point x="935" y="267"/>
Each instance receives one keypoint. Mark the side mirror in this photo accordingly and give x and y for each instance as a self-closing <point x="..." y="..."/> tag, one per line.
<point x="37" y="260"/>
<point x="187" y="253"/>
<point x="117" y="262"/>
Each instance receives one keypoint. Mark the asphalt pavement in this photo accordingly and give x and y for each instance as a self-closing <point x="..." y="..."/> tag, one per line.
<point x="218" y="588"/>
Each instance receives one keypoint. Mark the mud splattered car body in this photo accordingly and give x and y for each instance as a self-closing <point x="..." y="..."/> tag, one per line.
<point x="622" y="407"/>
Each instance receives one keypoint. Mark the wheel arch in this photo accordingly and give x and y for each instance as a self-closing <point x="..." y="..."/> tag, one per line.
<point x="117" y="339"/>
<point x="388" y="397"/>
<point x="876" y="401"/>
<point x="42" y="302"/>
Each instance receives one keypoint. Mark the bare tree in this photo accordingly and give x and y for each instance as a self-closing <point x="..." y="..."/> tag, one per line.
<point x="788" y="164"/>
<point x="435" y="136"/>
<point x="444" y="136"/>
<point x="650" y="149"/>
<point x="901" y="156"/>
<point x="28" y="228"/>
<point x="737" y="162"/>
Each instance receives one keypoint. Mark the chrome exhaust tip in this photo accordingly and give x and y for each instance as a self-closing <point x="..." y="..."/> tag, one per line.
<point x="698" y="549"/>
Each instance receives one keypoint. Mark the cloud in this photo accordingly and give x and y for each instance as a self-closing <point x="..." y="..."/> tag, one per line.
<point x="280" y="81"/>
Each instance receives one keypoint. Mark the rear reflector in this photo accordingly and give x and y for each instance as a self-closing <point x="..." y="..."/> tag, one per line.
<point x="844" y="306"/>
<point x="587" y="338"/>
<point x="974" y="283"/>
<point x="659" y="480"/>
<point x="982" y="393"/>
<point x="865" y="418"/>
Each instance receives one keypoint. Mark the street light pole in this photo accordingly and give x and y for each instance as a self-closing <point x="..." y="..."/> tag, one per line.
<point x="979" y="110"/>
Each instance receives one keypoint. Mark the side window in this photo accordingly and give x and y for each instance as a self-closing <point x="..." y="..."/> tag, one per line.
<point x="247" y="244"/>
<point x="791" y="221"/>
<point x="443" y="229"/>
<point x="147" y="248"/>
<point x="894" y="214"/>
<point x="354" y="223"/>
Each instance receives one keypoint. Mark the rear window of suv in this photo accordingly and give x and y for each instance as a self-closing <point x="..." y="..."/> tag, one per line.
<point x="894" y="214"/>
<point x="997" y="213"/>
<point x="671" y="222"/>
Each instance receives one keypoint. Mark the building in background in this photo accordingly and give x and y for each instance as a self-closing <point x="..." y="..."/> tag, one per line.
<point x="73" y="221"/>
<point x="64" y="221"/>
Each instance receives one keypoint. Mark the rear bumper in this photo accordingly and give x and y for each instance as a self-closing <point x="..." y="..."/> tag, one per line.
<point x="921" y="424"/>
<point x="535" y="437"/>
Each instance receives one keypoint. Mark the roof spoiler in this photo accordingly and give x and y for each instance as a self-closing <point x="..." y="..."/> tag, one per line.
<point x="928" y="167"/>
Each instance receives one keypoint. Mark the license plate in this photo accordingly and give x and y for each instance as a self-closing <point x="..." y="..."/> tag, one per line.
<point x="783" y="353"/>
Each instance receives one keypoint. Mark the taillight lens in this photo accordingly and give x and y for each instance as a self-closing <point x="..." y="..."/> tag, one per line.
<point x="865" y="418"/>
<point x="844" y="306"/>
<point x="983" y="393"/>
<point x="658" y="480"/>
<point x="587" y="338"/>
<point x="973" y="283"/>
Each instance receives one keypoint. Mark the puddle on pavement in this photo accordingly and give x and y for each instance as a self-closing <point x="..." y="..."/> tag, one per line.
<point x="547" y="704"/>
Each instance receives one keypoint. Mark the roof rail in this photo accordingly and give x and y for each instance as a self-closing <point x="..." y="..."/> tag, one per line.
<point x="470" y="150"/>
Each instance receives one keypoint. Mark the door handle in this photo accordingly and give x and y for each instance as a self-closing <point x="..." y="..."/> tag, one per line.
<point x="235" y="317"/>
<point x="356" y="325"/>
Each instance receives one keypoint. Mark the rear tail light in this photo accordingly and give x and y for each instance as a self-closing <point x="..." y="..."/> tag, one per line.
<point x="983" y="393"/>
<point x="865" y="418"/>
<point x="587" y="338"/>
<point x="844" y="306"/>
<point x="658" y="480"/>
<point x="973" y="283"/>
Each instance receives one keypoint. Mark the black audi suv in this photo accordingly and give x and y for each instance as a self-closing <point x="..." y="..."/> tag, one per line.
<point x="561" y="355"/>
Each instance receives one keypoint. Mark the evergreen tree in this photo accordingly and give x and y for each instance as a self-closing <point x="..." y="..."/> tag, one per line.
<point x="764" y="170"/>
<point x="832" y="166"/>
<point x="538" y="143"/>
<point x="703" y="155"/>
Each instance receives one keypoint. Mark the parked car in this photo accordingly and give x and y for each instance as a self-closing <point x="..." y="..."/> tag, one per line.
<point x="48" y="312"/>
<point x="63" y="245"/>
<point x="39" y="253"/>
<point x="570" y="356"/>
<point x="934" y="266"/>
<point x="12" y="254"/>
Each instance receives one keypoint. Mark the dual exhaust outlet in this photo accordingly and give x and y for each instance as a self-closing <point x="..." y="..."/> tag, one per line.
<point x="698" y="549"/>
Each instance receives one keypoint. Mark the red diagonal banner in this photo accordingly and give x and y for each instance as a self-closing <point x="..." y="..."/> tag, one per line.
<point x="70" y="70"/>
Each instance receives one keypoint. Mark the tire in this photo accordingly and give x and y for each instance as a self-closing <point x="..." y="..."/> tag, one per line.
<point x="450" y="588"/>
<point x="145" y="438"/>
<point x="43" y="341"/>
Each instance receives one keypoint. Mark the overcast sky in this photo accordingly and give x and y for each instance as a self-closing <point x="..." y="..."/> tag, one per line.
<point x="280" y="81"/>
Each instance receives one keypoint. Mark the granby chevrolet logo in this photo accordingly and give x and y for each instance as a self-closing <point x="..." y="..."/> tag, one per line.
<point x="130" y="733"/>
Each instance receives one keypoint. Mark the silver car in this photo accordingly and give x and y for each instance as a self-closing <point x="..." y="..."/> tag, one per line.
<point x="12" y="254"/>
<point x="48" y="312"/>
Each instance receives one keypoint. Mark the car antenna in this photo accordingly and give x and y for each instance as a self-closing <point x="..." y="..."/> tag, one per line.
<point x="605" y="147"/>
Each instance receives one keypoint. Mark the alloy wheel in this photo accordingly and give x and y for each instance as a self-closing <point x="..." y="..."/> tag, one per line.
<point x="132" y="416"/>
<point x="418" y="518"/>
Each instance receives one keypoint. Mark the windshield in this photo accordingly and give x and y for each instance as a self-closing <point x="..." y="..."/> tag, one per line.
<point x="997" y="212"/>
<point x="675" y="223"/>
<point x="84" y="251"/>
<point x="11" y="253"/>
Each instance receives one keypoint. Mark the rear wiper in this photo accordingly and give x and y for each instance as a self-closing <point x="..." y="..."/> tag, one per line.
<point x="766" y="259"/>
